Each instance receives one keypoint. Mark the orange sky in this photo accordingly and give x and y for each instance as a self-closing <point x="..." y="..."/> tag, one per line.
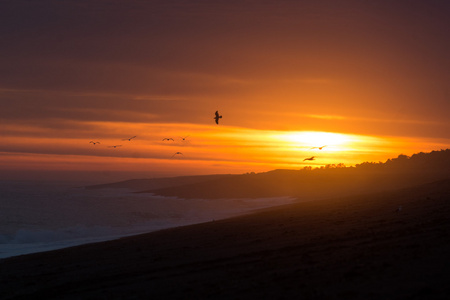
<point x="369" y="80"/>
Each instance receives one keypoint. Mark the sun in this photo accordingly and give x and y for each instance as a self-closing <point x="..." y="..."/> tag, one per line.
<point x="317" y="139"/>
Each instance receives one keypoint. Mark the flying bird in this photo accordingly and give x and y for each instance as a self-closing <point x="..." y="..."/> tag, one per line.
<point x="183" y="138"/>
<point x="129" y="138"/>
<point x="115" y="146"/>
<point x="320" y="148"/>
<point x="310" y="158"/>
<point x="177" y="153"/>
<point x="167" y="139"/>
<point x="92" y="142"/>
<point x="217" y="117"/>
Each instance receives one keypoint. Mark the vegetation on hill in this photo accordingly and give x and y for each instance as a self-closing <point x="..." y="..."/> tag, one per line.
<point x="327" y="181"/>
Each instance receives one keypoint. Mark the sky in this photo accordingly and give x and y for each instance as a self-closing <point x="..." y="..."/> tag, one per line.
<point x="369" y="80"/>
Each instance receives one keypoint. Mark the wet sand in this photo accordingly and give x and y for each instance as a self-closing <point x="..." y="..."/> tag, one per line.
<point x="357" y="247"/>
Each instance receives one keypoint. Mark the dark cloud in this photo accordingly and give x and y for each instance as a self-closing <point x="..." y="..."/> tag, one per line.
<point x="50" y="108"/>
<point x="376" y="55"/>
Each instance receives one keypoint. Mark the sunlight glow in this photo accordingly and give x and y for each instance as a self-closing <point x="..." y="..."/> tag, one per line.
<point x="206" y="149"/>
<point x="314" y="139"/>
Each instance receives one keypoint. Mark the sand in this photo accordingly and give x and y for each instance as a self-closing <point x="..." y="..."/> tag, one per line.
<point x="357" y="247"/>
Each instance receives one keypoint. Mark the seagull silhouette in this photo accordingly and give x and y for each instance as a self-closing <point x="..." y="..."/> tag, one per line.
<point x="167" y="139"/>
<point x="310" y="158"/>
<point x="129" y="138"/>
<point x="92" y="142"/>
<point x="217" y="117"/>
<point x="183" y="138"/>
<point x="115" y="146"/>
<point x="320" y="148"/>
<point x="177" y="153"/>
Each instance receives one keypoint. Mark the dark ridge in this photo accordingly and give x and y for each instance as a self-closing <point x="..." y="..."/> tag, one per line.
<point x="157" y="183"/>
<point x="327" y="181"/>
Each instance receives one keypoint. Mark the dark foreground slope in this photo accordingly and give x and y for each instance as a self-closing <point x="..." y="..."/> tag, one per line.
<point x="345" y="248"/>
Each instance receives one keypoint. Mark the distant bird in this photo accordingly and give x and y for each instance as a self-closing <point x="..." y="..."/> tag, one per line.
<point x="310" y="158"/>
<point x="320" y="148"/>
<point x="129" y="138"/>
<point x="217" y="117"/>
<point x="183" y="138"/>
<point x="167" y="139"/>
<point x="92" y="142"/>
<point x="115" y="146"/>
<point x="178" y="153"/>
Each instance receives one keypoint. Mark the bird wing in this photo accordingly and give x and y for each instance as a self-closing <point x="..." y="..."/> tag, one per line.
<point x="217" y="113"/>
<point x="177" y="153"/>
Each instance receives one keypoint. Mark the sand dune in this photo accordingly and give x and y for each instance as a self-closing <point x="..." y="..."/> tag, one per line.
<point x="355" y="247"/>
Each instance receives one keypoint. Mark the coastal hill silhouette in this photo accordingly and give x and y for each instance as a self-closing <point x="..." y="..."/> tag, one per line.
<point x="157" y="183"/>
<point x="328" y="181"/>
<point x="324" y="182"/>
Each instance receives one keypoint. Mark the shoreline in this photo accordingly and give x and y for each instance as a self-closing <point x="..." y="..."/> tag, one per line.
<point x="7" y="250"/>
<point x="354" y="247"/>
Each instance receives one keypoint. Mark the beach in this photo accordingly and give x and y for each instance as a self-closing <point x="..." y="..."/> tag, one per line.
<point x="385" y="245"/>
<point x="43" y="216"/>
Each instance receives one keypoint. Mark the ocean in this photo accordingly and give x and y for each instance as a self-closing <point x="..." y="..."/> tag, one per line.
<point x="41" y="216"/>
